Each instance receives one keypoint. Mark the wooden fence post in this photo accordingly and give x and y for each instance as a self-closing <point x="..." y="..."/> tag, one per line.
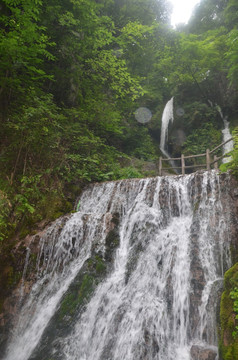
<point x="208" y="159"/>
<point x="183" y="164"/>
<point x="160" y="166"/>
<point x="215" y="163"/>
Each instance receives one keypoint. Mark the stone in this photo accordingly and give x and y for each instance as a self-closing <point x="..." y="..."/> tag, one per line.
<point x="200" y="353"/>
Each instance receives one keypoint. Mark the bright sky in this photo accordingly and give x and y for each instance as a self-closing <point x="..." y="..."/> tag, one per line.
<point x="182" y="10"/>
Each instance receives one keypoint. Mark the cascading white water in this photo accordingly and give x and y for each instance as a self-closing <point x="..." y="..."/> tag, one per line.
<point x="166" y="118"/>
<point x="173" y="232"/>
<point x="226" y="135"/>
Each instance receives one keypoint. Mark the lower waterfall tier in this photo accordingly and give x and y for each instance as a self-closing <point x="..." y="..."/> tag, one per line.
<point x="135" y="274"/>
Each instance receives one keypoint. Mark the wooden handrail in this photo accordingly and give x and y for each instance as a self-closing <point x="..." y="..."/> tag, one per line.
<point x="207" y="154"/>
<point x="219" y="158"/>
<point x="172" y="159"/>
<point x="187" y="167"/>
<point x="222" y="144"/>
<point x="194" y="156"/>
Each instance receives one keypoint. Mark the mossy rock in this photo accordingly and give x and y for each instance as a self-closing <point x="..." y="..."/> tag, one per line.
<point x="82" y="287"/>
<point x="79" y="297"/>
<point x="133" y="260"/>
<point x="196" y="206"/>
<point x="11" y="268"/>
<point x="112" y="240"/>
<point x="228" y="344"/>
<point x="73" y="304"/>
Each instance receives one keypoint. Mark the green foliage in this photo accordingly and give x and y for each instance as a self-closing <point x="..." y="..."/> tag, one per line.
<point x="231" y="14"/>
<point x="5" y="210"/>
<point x="198" y="114"/>
<point x="232" y="55"/>
<point x="228" y="343"/>
<point x="23" y="47"/>
<point x="128" y="173"/>
<point x="207" y="137"/>
<point x="234" y="297"/>
<point x="208" y="14"/>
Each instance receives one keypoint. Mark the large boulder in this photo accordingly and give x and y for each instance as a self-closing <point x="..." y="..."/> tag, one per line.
<point x="200" y="353"/>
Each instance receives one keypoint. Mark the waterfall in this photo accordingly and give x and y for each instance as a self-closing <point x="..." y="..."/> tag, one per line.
<point x="166" y="118"/>
<point x="152" y="294"/>
<point x="226" y="135"/>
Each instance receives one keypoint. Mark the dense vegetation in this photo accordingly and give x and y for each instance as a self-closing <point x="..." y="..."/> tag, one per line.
<point x="72" y="74"/>
<point x="228" y="316"/>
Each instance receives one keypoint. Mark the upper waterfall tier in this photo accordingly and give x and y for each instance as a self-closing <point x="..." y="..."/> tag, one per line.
<point x="132" y="275"/>
<point x="166" y="118"/>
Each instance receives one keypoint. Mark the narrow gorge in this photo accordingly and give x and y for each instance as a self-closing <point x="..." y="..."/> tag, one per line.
<point x="135" y="274"/>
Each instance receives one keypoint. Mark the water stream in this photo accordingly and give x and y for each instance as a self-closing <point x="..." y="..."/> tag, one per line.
<point x="156" y="301"/>
<point x="226" y="135"/>
<point x="167" y="117"/>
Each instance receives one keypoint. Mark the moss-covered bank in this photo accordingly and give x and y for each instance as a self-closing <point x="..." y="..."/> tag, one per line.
<point x="228" y="345"/>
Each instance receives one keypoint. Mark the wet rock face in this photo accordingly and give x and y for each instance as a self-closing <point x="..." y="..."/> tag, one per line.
<point x="41" y="248"/>
<point x="228" y="322"/>
<point x="233" y="203"/>
<point x="227" y="193"/>
<point x="199" y="353"/>
<point x="197" y="283"/>
<point x="17" y="279"/>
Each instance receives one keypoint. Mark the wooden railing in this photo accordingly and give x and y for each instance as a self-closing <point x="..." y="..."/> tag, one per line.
<point x="208" y="165"/>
